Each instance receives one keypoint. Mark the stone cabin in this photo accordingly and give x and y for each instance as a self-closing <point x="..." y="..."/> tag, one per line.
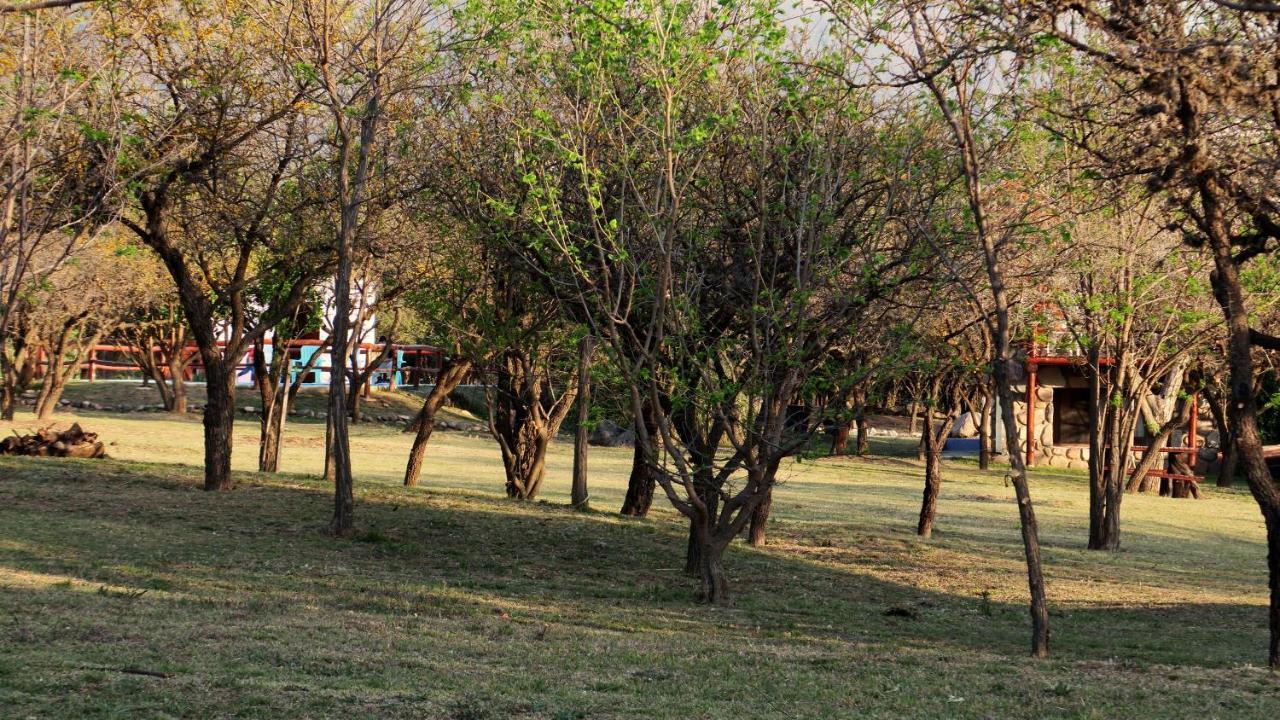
<point x="1054" y="398"/>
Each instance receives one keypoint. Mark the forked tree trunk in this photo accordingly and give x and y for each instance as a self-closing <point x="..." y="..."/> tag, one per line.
<point x="61" y="369"/>
<point x="447" y="380"/>
<point x="361" y="377"/>
<point x="524" y="460"/>
<point x="522" y="423"/>
<point x="267" y="376"/>
<point x="51" y="388"/>
<point x="932" y="481"/>
<point x="273" y="432"/>
<point x="864" y="436"/>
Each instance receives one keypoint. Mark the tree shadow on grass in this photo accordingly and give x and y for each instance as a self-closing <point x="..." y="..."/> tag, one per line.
<point x="148" y="528"/>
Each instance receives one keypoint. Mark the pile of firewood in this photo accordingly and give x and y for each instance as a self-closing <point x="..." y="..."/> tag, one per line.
<point x="47" y="442"/>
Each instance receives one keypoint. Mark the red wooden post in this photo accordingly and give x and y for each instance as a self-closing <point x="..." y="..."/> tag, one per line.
<point x="93" y="364"/>
<point x="1031" y="413"/>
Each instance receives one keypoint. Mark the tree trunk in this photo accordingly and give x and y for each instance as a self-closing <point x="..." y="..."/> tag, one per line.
<point x="156" y="375"/>
<point x="361" y="377"/>
<point x="1230" y="464"/>
<point x="8" y="382"/>
<point x="521" y="421"/>
<point x="51" y="388"/>
<point x="329" y="472"/>
<point x="1272" y="516"/>
<point x="267" y="376"/>
<point x="840" y="440"/>
<point x="447" y="380"/>
<point x="698" y="532"/>
<point x="984" y="434"/>
<point x="26" y="370"/>
<point x="578" y="496"/>
<point x="1039" y="607"/>
<point x="61" y="370"/>
<point x="50" y="394"/>
<point x="178" y="379"/>
<point x="760" y="519"/>
<point x="641" y="483"/>
<point x="7" y="395"/>
<point x="714" y="588"/>
<point x="932" y="480"/>
<point x="1242" y="408"/>
<point x="525" y="462"/>
<point x="864" y="437"/>
<point x="339" y="444"/>
<point x="219" y="423"/>
<point x="1098" y="458"/>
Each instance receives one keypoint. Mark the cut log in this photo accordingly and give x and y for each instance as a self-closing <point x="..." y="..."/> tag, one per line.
<point x="48" y="442"/>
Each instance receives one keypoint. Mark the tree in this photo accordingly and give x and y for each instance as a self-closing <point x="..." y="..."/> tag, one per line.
<point x="217" y="133"/>
<point x="1189" y="96"/>
<point x="370" y="62"/>
<point x="156" y="339"/>
<point x="949" y="52"/>
<point x="92" y="293"/>
<point x="58" y="148"/>
<point x="1134" y="307"/>
<point x="718" y="235"/>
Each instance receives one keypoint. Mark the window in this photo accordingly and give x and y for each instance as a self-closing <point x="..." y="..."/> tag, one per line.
<point x="1070" y="416"/>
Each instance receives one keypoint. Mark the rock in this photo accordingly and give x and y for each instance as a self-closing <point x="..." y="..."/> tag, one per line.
<point x="604" y="431"/>
<point x="248" y="409"/>
<point x="966" y="426"/>
<point x="608" y="434"/>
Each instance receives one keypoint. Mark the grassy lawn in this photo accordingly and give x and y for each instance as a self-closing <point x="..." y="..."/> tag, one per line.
<point x="456" y="603"/>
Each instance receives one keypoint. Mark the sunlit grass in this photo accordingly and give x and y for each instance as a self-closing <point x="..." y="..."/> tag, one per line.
<point x="454" y="602"/>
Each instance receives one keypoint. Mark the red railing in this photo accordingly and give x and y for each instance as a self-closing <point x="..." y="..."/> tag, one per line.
<point x="425" y="363"/>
